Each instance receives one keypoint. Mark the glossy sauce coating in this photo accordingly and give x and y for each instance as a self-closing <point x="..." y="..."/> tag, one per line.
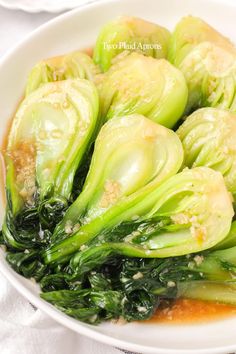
<point x="192" y="311"/>
<point x="180" y="311"/>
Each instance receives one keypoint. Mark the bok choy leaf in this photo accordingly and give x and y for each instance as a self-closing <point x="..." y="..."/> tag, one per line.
<point x="190" y="212"/>
<point x="132" y="156"/>
<point x="75" y="65"/>
<point x="130" y="34"/>
<point x="50" y="133"/>
<point x="139" y="84"/>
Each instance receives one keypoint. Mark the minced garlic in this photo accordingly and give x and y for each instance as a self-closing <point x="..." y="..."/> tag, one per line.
<point x="112" y="191"/>
<point x="138" y="275"/>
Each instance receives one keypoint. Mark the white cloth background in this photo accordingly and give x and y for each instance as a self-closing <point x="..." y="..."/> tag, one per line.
<point x="24" y="330"/>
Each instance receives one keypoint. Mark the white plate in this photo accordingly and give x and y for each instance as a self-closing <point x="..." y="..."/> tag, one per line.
<point x="78" y="29"/>
<point x="43" y="5"/>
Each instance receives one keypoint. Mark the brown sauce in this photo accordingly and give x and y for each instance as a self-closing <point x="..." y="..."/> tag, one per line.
<point x="88" y="51"/>
<point x="3" y="147"/>
<point x="2" y="179"/>
<point x="183" y="311"/>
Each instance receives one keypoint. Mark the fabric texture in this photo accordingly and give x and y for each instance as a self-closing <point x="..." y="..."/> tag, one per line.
<point x="26" y="330"/>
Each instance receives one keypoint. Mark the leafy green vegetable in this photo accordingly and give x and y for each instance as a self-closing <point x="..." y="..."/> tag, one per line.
<point x="132" y="156"/>
<point x="218" y="280"/>
<point x="27" y="264"/>
<point x="229" y="240"/>
<point x="108" y="291"/>
<point x="50" y="133"/>
<point x="75" y="65"/>
<point x="102" y="305"/>
<point x="110" y="228"/>
<point x="195" y="201"/>
<point x="207" y="60"/>
<point x="209" y="71"/>
<point x="208" y="136"/>
<point x="139" y="84"/>
<point x="191" y="31"/>
<point x="132" y="34"/>
<point x="221" y="292"/>
<point x="134" y="287"/>
<point x="150" y="274"/>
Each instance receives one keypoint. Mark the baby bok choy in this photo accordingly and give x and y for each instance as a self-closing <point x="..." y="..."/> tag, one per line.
<point x="131" y="154"/>
<point x="190" y="212"/>
<point x="214" y="291"/>
<point x="208" y="136"/>
<point x="50" y="133"/>
<point x="217" y="278"/>
<point x="70" y="66"/>
<point x="130" y="34"/>
<point x="230" y="240"/>
<point x="134" y="287"/>
<point x="207" y="60"/>
<point x="144" y="85"/>
<point x="188" y="33"/>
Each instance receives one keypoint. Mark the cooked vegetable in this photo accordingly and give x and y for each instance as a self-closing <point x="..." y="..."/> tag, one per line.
<point x="71" y="66"/>
<point x="108" y="226"/>
<point x="134" y="287"/>
<point x="218" y="271"/>
<point x="190" y="212"/>
<point x="230" y="240"/>
<point x="208" y="136"/>
<point x="132" y="34"/>
<point x="191" y="31"/>
<point x="209" y="71"/>
<point x="131" y="154"/>
<point x="50" y="133"/>
<point x="207" y="60"/>
<point x="220" y="292"/>
<point x="140" y="84"/>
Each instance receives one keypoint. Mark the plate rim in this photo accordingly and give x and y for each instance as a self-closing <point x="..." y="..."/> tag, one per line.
<point x="50" y="9"/>
<point x="67" y="321"/>
<point x="41" y="304"/>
